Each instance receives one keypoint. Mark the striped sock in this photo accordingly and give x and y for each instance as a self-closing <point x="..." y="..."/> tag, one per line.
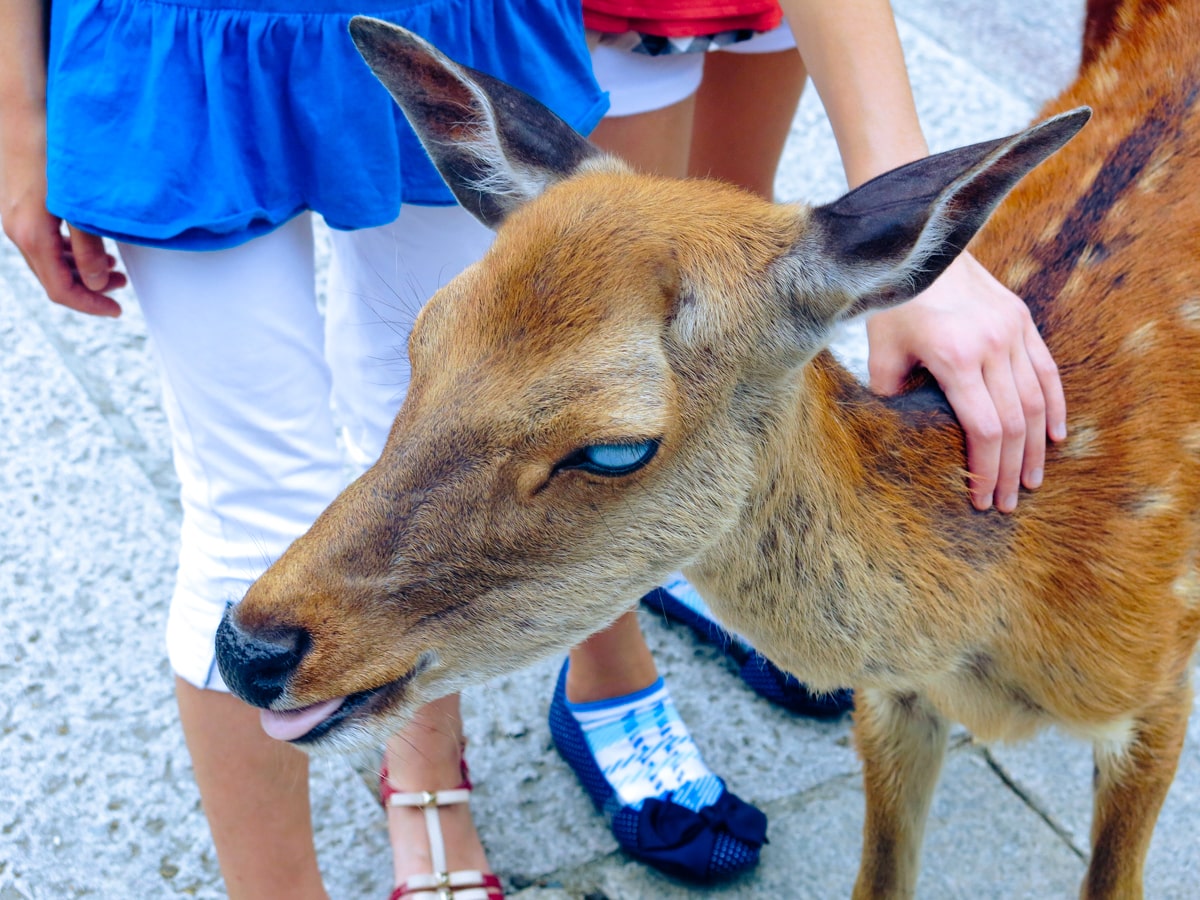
<point x="644" y="750"/>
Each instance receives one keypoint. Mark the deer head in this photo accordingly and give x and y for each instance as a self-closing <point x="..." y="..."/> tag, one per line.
<point x="588" y="402"/>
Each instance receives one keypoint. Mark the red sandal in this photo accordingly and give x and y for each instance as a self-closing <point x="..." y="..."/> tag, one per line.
<point x="441" y="884"/>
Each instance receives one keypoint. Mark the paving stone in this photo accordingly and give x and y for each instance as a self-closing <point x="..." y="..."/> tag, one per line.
<point x="98" y="796"/>
<point x="1028" y="49"/>
<point x="1055" y="773"/>
<point x="982" y="843"/>
<point x="98" y="793"/>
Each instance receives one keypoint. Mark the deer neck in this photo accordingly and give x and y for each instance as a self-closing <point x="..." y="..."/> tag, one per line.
<point x="858" y="514"/>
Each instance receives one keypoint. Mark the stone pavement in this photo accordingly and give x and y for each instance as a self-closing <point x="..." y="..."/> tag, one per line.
<point x="96" y="796"/>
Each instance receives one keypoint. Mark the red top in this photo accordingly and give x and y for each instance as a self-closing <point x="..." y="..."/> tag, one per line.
<point x="681" y="18"/>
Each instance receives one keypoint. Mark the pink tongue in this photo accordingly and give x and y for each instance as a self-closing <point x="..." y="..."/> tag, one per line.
<point x="290" y="724"/>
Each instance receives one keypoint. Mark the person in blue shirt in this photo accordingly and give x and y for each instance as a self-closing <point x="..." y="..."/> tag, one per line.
<point x="203" y="136"/>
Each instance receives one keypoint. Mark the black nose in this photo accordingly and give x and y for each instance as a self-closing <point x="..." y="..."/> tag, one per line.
<point x="257" y="667"/>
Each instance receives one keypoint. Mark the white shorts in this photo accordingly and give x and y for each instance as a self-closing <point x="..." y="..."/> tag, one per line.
<point x="638" y="83"/>
<point x="272" y="406"/>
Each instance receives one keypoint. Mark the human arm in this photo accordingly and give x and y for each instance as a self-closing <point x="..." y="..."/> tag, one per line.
<point x="74" y="269"/>
<point x="970" y="332"/>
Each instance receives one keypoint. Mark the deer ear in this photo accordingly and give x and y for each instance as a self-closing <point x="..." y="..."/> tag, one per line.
<point x="888" y="240"/>
<point x="495" y="146"/>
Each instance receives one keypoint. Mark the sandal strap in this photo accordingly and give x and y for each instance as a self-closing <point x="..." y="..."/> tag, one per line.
<point x="429" y="799"/>
<point x="386" y="791"/>
<point x="442" y="884"/>
<point x="466" y="884"/>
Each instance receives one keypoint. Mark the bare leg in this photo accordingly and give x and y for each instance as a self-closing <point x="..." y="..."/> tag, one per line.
<point x="612" y="663"/>
<point x="744" y="110"/>
<point x="1130" y="789"/>
<point x="902" y="741"/>
<point x="425" y="757"/>
<point x="255" y="795"/>
<point x="655" y="142"/>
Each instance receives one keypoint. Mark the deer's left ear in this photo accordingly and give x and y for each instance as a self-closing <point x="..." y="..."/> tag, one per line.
<point x="495" y="146"/>
<point x="888" y="240"/>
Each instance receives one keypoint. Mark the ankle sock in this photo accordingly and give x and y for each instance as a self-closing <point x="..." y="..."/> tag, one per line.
<point x="644" y="749"/>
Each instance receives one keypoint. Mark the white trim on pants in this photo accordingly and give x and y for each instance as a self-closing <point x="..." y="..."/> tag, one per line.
<point x="639" y="83"/>
<point x="272" y="406"/>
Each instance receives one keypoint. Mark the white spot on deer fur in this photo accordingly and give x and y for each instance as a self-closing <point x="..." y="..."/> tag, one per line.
<point x="1079" y="281"/>
<point x="1191" y="440"/>
<point x="1111" y="742"/>
<point x="1155" y="502"/>
<point x="1081" y="442"/>
<point x="1189" y="311"/>
<point x="1142" y="339"/>
<point x="1104" y="80"/>
<point x="1160" y="499"/>
<point x="1187" y="587"/>
<point x="1090" y="256"/>
<point x="1051" y="229"/>
<point x="1090" y="174"/>
<point x="1156" y="172"/>
<point x="1018" y="272"/>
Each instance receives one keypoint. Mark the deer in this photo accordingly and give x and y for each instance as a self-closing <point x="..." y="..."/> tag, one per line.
<point x="635" y="380"/>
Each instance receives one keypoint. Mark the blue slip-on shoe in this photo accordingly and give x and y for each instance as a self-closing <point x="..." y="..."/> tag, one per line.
<point x="763" y="676"/>
<point x="718" y="841"/>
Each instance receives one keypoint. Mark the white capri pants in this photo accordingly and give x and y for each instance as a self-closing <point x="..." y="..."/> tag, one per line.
<point x="639" y="83"/>
<point x="272" y="407"/>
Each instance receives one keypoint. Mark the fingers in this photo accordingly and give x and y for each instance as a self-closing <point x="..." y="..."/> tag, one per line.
<point x="1002" y="410"/>
<point x="1051" y="384"/>
<point x="978" y="340"/>
<point x="52" y="258"/>
<point x="1014" y="390"/>
<point x="887" y="370"/>
<point x="1029" y="404"/>
<point x="94" y="274"/>
<point x="113" y="280"/>
<point x="1033" y="411"/>
<point x="888" y="363"/>
<point x="55" y="260"/>
<point x="92" y="263"/>
<point x="971" y="399"/>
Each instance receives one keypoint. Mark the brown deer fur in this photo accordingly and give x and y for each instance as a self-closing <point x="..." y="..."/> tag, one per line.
<point x="831" y="527"/>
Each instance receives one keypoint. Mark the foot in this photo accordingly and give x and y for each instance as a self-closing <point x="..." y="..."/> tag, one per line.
<point x="427" y="756"/>
<point x="638" y="763"/>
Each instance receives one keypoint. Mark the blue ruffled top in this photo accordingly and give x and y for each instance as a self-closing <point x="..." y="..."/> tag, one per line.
<point x="199" y="124"/>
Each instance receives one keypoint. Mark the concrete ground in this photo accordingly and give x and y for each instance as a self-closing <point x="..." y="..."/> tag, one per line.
<point x="96" y="795"/>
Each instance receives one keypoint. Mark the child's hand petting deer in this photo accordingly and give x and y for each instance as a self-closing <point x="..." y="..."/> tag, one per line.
<point x="972" y="333"/>
<point x="976" y="337"/>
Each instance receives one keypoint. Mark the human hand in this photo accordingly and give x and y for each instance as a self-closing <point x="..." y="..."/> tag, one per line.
<point x="978" y="340"/>
<point x="74" y="268"/>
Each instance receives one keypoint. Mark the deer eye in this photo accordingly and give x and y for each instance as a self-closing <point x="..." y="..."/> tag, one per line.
<point x="611" y="459"/>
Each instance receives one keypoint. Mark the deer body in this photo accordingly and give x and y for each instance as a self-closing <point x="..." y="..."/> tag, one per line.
<point x="680" y="325"/>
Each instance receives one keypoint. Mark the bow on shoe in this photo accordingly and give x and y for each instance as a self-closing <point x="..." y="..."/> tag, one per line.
<point x="681" y="841"/>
